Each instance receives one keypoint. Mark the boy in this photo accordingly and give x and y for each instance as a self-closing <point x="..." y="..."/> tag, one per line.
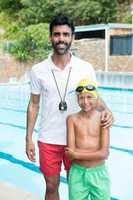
<point x="88" y="147"/>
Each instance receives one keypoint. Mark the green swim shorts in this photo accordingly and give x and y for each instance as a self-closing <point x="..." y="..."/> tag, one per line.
<point x="89" y="183"/>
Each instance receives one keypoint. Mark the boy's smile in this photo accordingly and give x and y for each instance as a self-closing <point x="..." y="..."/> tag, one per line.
<point x="87" y="101"/>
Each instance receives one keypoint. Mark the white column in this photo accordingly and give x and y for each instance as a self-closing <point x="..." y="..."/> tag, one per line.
<point x="132" y="35"/>
<point x="132" y="29"/>
<point x="106" y="50"/>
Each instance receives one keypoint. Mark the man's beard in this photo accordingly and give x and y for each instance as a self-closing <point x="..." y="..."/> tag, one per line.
<point x="61" y="51"/>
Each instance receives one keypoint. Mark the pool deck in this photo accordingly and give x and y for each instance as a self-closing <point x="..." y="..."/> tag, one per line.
<point x="10" y="192"/>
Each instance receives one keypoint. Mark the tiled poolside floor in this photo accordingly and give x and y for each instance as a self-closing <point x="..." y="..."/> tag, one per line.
<point x="10" y="192"/>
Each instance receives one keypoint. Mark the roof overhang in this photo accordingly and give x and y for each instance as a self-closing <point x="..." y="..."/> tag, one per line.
<point x="96" y="27"/>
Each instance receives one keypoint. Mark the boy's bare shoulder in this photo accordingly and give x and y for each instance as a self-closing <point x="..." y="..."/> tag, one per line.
<point x="72" y="116"/>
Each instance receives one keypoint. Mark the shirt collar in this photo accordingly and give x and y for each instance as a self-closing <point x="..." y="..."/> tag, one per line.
<point x="54" y="67"/>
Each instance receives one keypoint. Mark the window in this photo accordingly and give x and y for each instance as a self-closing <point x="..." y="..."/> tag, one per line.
<point x="121" y="45"/>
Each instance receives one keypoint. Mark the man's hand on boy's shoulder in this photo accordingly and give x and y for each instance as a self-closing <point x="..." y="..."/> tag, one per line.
<point x="107" y="118"/>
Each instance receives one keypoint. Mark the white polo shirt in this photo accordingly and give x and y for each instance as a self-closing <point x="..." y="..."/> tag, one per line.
<point x="53" y="121"/>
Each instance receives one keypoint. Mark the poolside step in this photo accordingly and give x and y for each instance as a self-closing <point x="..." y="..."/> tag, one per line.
<point x="11" y="192"/>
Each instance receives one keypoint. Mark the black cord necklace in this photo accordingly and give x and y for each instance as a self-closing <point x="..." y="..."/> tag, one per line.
<point x="62" y="104"/>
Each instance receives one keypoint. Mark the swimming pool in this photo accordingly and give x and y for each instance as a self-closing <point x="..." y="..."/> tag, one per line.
<point x="15" y="168"/>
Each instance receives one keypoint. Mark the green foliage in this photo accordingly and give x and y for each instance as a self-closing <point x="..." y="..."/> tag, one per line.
<point x="10" y="5"/>
<point x="39" y="11"/>
<point x="91" y="11"/>
<point x="32" y="43"/>
<point x="82" y="12"/>
<point x="127" y="18"/>
<point x="124" y="12"/>
<point x="108" y="11"/>
<point x="10" y="26"/>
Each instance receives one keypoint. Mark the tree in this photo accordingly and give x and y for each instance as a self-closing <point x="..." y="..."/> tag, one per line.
<point x="10" y="5"/>
<point x="32" y="43"/>
<point x="39" y="11"/>
<point x="91" y="11"/>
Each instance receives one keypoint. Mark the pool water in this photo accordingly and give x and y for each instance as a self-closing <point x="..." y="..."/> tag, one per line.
<point x="16" y="169"/>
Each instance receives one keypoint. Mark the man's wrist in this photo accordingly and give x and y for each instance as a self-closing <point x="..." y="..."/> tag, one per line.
<point x="28" y="138"/>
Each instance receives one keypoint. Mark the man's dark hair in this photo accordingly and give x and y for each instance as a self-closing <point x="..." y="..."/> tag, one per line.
<point x="61" y="19"/>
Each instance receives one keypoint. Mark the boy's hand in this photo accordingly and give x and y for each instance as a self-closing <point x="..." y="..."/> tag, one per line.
<point x="69" y="153"/>
<point x="106" y="118"/>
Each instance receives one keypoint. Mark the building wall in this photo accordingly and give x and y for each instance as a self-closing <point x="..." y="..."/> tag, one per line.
<point x="119" y="31"/>
<point x="10" y="69"/>
<point x="93" y="51"/>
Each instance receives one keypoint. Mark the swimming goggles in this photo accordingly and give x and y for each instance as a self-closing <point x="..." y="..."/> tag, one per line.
<point x="87" y="87"/>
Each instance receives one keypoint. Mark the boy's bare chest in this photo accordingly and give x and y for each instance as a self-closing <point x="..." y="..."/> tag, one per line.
<point x="88" y="128"/>
<point x="87" y="134"/>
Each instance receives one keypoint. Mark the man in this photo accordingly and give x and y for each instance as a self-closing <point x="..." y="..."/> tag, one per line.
<point x="53" y="80"/>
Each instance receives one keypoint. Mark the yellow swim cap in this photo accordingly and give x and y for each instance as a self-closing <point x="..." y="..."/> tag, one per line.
<point x="87" y="86"/>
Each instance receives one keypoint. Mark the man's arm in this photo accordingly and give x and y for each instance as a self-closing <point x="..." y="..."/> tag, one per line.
<point x="32" y="112"/>
<point x="107" y="116"/>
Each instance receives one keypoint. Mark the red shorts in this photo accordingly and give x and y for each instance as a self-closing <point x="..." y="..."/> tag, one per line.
<point x="51" y="157"/>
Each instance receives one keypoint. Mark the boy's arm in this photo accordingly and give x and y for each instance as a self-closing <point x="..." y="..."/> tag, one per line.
<point x="100" y="154"/>
<point x="70" y="137"/>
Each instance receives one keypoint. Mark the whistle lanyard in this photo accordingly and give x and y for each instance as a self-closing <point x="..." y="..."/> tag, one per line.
<point x="55" y="80"/>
